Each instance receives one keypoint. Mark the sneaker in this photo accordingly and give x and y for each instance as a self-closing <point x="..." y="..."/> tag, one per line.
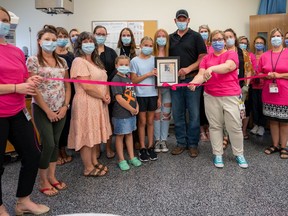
<point x="123" y="165"/>
<point x="143" y="156"/>
<point x="157" y="146"/>
<point x="152" y="155"/>
<point x="164" y="146"/>
<point x="218" y="161"/>
<point x="135" y="162"/>
<point x="241" y="161"/>
<point x="254" y="130"/>
<point x="260" y="131"/>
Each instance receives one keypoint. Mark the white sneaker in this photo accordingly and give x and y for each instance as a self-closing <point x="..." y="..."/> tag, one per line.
<point x="164" y="146"/>
<point x="254" y="130"/>
<point x="260" y="131"/>
<point x="157" y="146"/>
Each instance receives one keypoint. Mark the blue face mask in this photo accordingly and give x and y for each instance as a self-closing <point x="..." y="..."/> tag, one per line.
<point x="204" y="35"/>
<point x="218" y="45"/>
<point x="230" y="42"/>
<point x="123" y="69"/>
<point x="126" y="40"/>
<point x="49" y="46"/>
<point x="4" y="29"/>
<point x="100" y="39"/>
<point x="181" y="25"/>
<point x="161" y="41"/>
<point x="243" y="46"/>
<point x="276" y="41"/>
<point x="88" y="48"/>
<point x="259" y="47"/>
<point x="62" y="42"/>
<point x="286" y="42"/>
<point x="147" y="50"/>
<point x="73" y="39"/>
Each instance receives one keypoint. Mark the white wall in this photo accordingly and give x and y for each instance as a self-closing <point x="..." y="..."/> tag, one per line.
<point x="218" y="14"/>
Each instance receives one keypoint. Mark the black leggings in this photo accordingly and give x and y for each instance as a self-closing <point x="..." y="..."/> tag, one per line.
<point x="22" y="136"/>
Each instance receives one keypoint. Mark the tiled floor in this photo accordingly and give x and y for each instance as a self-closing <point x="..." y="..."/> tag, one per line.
<point x="173" y="185"/>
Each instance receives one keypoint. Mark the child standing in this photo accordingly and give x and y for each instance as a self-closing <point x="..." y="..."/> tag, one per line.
<point x="143" y="72"/>
<point x="124" y="113"/>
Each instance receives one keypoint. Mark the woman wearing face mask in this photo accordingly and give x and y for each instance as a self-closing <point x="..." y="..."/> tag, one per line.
<point x="221" y="101"/>
<point x="62" y="51"/>
<point x="143" y="72"/>
<point x="245" y="69"/>
<point x="273" y="63"/>
<point x="205" y="32"/>
<point x="73" y="35"/>
<point x="163" y="113"/>
<point x="126" y="44"/>
<point x="286" y="39"/>
<point x="49" y="106"/>
<point x="107" y="56"/>
<point x="90" y="124"/>
<point x="15" y="122"/>
<point x="259" y="119"/>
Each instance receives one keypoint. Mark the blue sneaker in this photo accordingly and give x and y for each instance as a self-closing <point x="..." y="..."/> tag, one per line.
<point x="218" y="161"/>
<point x="241" y="161"/>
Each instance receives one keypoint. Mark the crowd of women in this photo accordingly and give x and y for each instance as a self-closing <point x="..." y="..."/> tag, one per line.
<point x="81" y="116"/>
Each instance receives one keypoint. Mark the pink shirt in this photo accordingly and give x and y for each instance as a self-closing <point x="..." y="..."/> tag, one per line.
<point x="260" y="82"/>
<point x="265" y="66"/>
<point x="209" y="49"/>
<point x="222" y="84"/>
<point x="12" y="71"/>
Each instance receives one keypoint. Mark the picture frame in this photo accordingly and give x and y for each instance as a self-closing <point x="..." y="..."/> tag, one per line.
<point x="167" y="70"/>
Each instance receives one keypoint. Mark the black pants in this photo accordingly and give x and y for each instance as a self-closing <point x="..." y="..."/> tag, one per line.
<point x="22" y="136"/>
<point x="257" y="108"/>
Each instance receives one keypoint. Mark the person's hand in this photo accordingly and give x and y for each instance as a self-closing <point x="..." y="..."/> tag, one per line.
<point x="61" y="113"/>
<point x="183" y="72"/>
<point x="207" y="74"/>
<point x="152" y="73"/>
<point x="52" y="116"/>
<point x="35" y="79"/>
<point x="26" y="88"/>
<point x="106" y="99"/>
<point x="244" y="92"/>
<point x="270" y="75"/>
<point x="159" y="103"/>
<point x="134" y="111"/>
<point x="192" y="86"/>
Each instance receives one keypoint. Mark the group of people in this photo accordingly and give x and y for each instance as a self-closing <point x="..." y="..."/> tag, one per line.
<point x="85" y="114"/>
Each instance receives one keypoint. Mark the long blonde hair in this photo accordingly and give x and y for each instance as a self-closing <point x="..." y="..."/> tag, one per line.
<point x="156" y="46"/>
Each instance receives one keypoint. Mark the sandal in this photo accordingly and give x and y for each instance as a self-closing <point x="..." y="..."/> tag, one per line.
<point x="203" y="137"/>
<point x="284" y="153"/>
<point x="95" y="173"/>
<point x="246" y="137"/>
<point x="49" y="191"/>
<point x="60" y="161"/>
<point x="101" y="167"/>
<point x="225" y="143"/>
<point x="271" y="150"/>
<point x="59" y="185"/>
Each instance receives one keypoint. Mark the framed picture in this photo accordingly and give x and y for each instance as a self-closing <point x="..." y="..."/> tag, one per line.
<point x="167" y="70"/>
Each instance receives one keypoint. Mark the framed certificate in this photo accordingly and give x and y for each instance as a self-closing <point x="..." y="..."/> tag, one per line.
<point x="167" y="70"/>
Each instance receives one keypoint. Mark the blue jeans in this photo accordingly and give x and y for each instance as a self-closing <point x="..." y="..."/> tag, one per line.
<point x="187" y="133"/>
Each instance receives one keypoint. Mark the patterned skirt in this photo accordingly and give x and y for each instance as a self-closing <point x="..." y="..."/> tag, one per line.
<point x="276" y="112"/>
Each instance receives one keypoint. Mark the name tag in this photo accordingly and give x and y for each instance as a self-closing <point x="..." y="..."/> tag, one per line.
<point x="273" y="88"/>
<point x="241" y="106"/>
<point x="27" y="114"/>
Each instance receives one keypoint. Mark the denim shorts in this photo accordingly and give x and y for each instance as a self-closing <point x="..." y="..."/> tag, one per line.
<point x="124" y="126"/>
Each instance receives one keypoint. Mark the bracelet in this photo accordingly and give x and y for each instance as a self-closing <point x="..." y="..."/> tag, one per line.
<point x="14" y="88"/>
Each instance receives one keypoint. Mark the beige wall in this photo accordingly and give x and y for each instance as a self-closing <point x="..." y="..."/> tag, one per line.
<point x="219" y="14"/>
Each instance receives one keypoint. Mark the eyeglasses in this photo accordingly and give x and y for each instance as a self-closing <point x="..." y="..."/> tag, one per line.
<point x="217" y="39"/>
<point x="98" y="34"/>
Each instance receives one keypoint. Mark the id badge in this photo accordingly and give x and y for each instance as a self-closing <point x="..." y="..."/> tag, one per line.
<point x="273" y="88"/>
<point x="242" y="109"/>
<point x="27" y="114"/>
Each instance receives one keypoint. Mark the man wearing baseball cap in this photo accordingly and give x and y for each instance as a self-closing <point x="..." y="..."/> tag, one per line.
<point x="190" y="47"/>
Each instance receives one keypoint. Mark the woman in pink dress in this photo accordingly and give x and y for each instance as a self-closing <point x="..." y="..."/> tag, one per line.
<point x="275" y="92"/>
<point x="90" y="118"/>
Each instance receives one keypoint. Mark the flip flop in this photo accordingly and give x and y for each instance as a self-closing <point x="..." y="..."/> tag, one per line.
<point x="96" y="172"/>
<point x="59" y="185"/>
<point x="45" y="190"/>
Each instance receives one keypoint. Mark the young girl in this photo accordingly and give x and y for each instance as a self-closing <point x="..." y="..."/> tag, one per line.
<point x="49" y="106"/>
<point x="124" y="113"/>
<point x="143" y="71"/>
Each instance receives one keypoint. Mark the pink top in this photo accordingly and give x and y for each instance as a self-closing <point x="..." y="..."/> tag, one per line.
<point x="209" y="49"/>
<point x="280" y="66"/>
<point x="12" y="71"/>
<point x="222" y="84"/>
<point x="256" y="83"/>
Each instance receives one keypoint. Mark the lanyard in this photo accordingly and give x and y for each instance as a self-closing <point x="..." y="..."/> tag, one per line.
<point x="274" y="66"/>
<point x="123" y="50"/>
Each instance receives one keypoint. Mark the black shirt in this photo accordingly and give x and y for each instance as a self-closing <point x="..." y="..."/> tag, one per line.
<point x="108" y="59"/>
<point x="188" y="47"/>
